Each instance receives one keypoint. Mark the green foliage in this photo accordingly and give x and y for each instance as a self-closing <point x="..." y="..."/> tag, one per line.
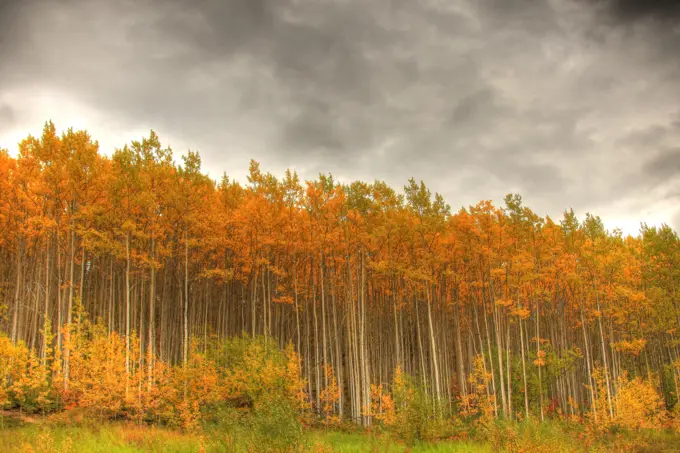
<point x="275" y="427"/>
<point x="668" y="388"/>
<point x="258" y="371"/>
<point x="264" y="406"/>
<point x="414" y="410"/>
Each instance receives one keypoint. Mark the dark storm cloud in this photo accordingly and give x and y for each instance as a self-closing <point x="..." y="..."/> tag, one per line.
<point x="10" y="18"/>
<point x="658" y="149"/>
<point x="554" y="99"/>
<point x="663" y="10"/>
<point x="665" y="165"/>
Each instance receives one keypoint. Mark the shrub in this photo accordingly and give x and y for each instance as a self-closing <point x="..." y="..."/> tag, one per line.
<point x="413" y="408"/>
<point x="260" y="389"/>
<point x="639" y="405"/>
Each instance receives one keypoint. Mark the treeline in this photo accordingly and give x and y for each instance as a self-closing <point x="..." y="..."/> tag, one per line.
<point x="361" y="280"/>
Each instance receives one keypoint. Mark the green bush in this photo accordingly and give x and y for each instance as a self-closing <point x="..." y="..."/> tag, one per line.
<point x="414" y="410"/>
<point x="266" y="416"/>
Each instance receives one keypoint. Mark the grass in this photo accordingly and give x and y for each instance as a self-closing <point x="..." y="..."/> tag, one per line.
<point x="338" y="442"/>
<point x="113" y="438"/>
<point x="49" y="436"/>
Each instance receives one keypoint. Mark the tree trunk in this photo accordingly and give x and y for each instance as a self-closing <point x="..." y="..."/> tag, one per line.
<point x="524" y="370"/>
<point x="604" y="359"/>
<point x="185" y="350"/>
<point x="17" y="294"/>
<point x="127" y="312"/>
<point x="460" y="371"/>
<point x="152" y="314"/>
<point x="538" y="353"/>
<point x="69" y="313"/>
<point x="433" y="346"/>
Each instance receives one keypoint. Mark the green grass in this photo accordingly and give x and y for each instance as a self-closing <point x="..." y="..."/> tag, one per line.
<point x="113" y="438"/>
<point x="356" y="442"/>
<point x="46" y="436"/>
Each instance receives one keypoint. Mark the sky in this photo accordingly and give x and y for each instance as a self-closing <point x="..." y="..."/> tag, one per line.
<point x="570" y="103"/>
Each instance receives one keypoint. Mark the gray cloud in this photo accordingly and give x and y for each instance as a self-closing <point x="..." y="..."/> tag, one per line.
<point x="569" y="102"/>
<point x="657" y="148"/>
<point x="7" y="117"/>
<point x="665" y="165"/>
<point x="661" y="10"/>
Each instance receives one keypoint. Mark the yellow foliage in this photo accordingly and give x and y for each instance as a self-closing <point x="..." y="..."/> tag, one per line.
<point x="329" y="397"/>
<point x="520" y="312"/>
<point x="503" y="303"/>
<point x="639" y="405"/>
<point x="636" y="404"/>
<point x="295" y="384"/>
<point x="100" y="385"/>
<point x="7" y="360"/>
<point x="479" y="402"/>
<point x="29" y="376"/>
<point x="633" y="346"/>
<point x="599" y="414"/>
<point x="382" y="405"/>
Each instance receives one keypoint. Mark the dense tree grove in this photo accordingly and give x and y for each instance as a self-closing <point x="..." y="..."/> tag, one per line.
<point x="535" y="317"/>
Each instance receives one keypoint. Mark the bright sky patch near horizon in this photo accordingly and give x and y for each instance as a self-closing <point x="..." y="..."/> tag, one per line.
<point x="571" y="103"/>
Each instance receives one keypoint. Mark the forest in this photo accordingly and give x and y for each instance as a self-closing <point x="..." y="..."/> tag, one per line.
<point x="141" y="289"/>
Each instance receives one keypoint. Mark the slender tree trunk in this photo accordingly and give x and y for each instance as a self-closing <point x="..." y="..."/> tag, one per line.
<point x="509" y="368"/>
<point x="421" y="354"/>
<point x="265" y="312"/>
<point x="46" y="317"/>
<point x="17" y="293"/>
<point x="323" y="323"/>
<point x="588" y="367"/>
<point x="365" y="382"/>
<point x="69" y="313"/>
<point x="524" y="370"/>
<point x="82" y="275"/>
<point x="60" y="308"/>
<point x="152" y="313"/>
<point x="185" y="350"/>
<point x="488" y="345"/>
<point x="397" y="341"/>
<point x="433" y="345"/>
<point x="538" y="353"/>
<point x="127" y="312"/>
<point x="499" y="352"/>
<point x="297" y="307"/>
<point x="339" y="362"/>
<point x="460" y="371"/>
<point x="604" y="359"/>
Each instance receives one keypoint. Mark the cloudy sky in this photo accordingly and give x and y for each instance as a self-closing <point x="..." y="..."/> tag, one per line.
<point x="571" y="103"/>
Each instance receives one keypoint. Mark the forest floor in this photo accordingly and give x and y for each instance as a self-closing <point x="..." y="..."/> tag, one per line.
<point x="43" y="435"/>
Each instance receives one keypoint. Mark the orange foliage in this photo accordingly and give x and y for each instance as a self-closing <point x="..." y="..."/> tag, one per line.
<point x="172" y="394"/>
<point x="382" y="405"/>
<point x="329" y="397"/>
<point x="479" y="403"/>
<point x="360" y="248"/>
